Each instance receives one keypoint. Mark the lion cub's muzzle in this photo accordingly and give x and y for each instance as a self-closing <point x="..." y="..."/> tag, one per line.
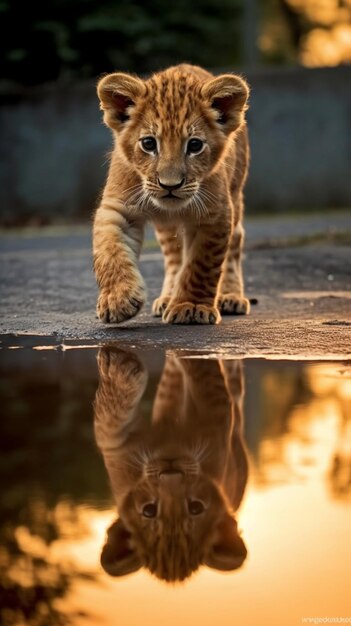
<point x="171" y="482"/>
<point x="170" y="187"/>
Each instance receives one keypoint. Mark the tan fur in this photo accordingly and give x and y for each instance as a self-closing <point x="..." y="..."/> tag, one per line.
<point x="190" y="449"/>
<point x="200" y="226"/>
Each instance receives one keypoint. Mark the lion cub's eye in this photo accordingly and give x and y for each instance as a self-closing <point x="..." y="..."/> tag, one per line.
<point x="195" y="507"/>
<point x="150" y="510"/>
<point x="194" y="146"/>
<point x="148" y="144"/>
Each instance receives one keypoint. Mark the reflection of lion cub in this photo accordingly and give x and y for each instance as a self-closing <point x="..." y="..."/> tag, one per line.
<point x="178" y="476"/>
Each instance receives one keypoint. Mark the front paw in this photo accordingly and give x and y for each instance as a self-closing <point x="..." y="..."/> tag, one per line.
<point x="120" y="302"/>
<point x="114" y="363"/>
<point x="233" y="304"/>
<point x="123" y="380"/>
<point x="159" y="305"/>
<point x="189" y="313"/>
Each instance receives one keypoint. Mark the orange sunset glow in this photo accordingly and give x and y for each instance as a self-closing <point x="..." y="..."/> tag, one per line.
<point x="297" y="496"/>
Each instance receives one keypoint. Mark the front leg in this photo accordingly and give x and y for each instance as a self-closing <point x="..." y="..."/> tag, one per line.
<point x="195" y="298"/>
<point x="116" y="247"/>
<point x="170" y="240"/>
<point x="122" y="382"/>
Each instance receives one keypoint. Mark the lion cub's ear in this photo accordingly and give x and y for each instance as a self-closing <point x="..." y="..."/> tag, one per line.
<point x="117" y="556"/>
<point x="117" y="94"/>
<point x="228" y="551"/>
<point x="227" y="95"/>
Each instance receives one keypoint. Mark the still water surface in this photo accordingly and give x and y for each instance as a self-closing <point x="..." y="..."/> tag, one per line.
<point x="139" y="488"/>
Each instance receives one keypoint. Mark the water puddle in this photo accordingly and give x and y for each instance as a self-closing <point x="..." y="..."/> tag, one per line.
<point x="148" y="488"/>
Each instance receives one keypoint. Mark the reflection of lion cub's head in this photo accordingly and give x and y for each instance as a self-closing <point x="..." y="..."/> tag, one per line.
<point x="178" y="477"/>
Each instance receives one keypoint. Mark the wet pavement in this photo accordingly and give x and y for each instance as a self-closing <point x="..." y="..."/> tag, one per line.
<point x="140" y="487"/>
<point x="299" y="269"/>
<point x="157" y="474"/>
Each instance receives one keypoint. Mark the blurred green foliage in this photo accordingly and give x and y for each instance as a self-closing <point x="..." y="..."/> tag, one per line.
<point x="68" y="39"/>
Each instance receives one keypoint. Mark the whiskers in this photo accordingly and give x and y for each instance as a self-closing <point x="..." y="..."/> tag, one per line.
<point x="189" y="462"/>
<point x="137" y="197"/>
<point x="201" y="201"/>
<point x="200" y="450"/>
<point x="143" y="455"/>
<point x="143" y="458"/>
<point x="191" y="197"/>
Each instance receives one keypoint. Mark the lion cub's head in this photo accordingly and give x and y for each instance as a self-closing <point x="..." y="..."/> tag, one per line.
<point x="174" y="520"/>
<point x="172" y="129"/>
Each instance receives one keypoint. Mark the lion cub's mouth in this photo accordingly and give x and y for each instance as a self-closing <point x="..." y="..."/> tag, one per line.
<point x="171" y="195"/>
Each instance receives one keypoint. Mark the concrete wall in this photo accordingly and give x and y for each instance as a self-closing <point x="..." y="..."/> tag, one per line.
<point x="53" y="150"/>
<point x="300" y="129"/>
<point x="53" y="146"/>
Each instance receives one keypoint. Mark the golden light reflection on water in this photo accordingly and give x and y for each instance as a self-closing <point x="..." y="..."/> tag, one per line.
<point x="295" y="519"/>
<point x="77" y="543"/>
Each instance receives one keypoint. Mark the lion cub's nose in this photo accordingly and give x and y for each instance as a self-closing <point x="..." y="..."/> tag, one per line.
<point x="171" y="479"/>
<point x="170" y="186"/>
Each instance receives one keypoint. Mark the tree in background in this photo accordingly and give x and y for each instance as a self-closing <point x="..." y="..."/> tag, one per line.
<point x="312" y="32"/>
<point x="62" y="40"/>
<point x="67" y="39"/>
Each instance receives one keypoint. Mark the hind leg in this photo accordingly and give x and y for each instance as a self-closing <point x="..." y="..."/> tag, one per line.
<point x="172" y="247"/>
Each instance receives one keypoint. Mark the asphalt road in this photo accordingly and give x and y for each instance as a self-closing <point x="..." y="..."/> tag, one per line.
<point x="48" y="294"/>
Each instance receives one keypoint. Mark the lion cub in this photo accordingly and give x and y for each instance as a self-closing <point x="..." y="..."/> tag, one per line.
<point x="180" y="160"/>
